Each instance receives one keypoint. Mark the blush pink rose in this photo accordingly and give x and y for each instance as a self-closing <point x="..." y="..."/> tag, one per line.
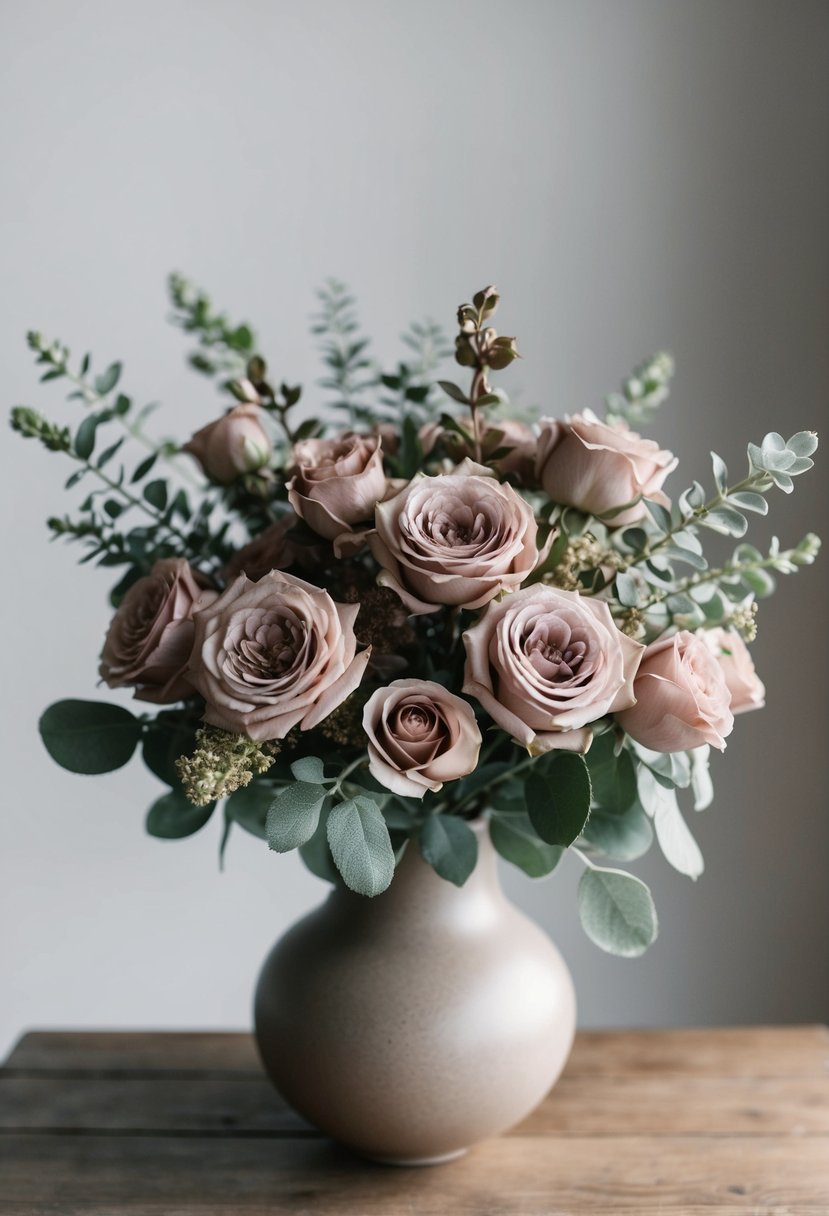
<point x="419" y="735"/>
<point x="234" y="444"/>
<point x="275" y="654"/>
<point x="149" y="641"/>
<point x="546" y="663"/>
<point x="337" y="482"/>
<point x="682" y="699"/>
<point x="596" y="467"/>
<point x="458" y="539"/>
<point x="732" y="654"/>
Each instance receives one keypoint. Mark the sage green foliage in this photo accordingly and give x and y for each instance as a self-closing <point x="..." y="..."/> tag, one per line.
<point x="450" y="846"/>
<point x="172" y="817"/>
<point x="617" y="912"/>
<point x="360" y="845"/>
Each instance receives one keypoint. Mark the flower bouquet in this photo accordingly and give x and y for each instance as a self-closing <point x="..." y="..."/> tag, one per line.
<point x="363" y="632"/>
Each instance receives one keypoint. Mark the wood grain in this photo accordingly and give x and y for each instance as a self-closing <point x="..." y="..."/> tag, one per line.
<point x="682" y="1121"/>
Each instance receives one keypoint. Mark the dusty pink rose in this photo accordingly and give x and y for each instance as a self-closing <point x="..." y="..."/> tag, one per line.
<point x="337" y="482"/>
<point x="419" y="735"/>
<point x="682" y="699"/>
<point x="234" y="444"/>
<point x="596" y="467"/>
<point x="545" y="663"/>
<point x="149" y="641"/>
<point x="496" y="433"/>
<point x="744" y="684"/>
<point x="272" y="549"/>
<point x="270" y="655"/>
<point x="460" y="539"/>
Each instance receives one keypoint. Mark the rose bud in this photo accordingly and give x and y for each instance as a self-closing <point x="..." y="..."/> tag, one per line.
<point x="546" y="663"/>
<point x="337" y="482"/>
<point x="270" y="550"/>
<point x="419" y="735"/>
<point x="732" y="654"/>
<point x="275" y="654"/>
<point x="459" y="539"/>
<point x="682" y="699"/>
<point x="149" y="641"/>
<point x="235" y="444"/>
<point x="598" y="467"/>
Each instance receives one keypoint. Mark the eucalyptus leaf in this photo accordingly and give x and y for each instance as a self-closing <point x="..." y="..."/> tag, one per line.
<point x="675" y="840"/>
<point x="612" y="777"/>
<point x="248" y="806"/>
<point x="450" y="847"/>
<point x="316" y="853"/>
<point x="309" y="769"/>
<point x="617" y="912"/>
<point x="515" y="838"/>
<point x="89" y="736"/>
<point x="558" y="802"/>
<point x="172" y="816"/>
<point x="623" y="837"/>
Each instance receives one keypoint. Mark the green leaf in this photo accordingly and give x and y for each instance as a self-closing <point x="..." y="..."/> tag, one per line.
<point x="248" y="807"/>
<point x="452" y="390"/>
<point x="165" y="739"/>
<point x="516" y="839"/>
<point x="559" y="801"/>
<point x="89" y="736"/>
<point x="293" y="816"/>
<point x="316" y="853"/>
<point x="623" y="837"/>
<point x="617" y="912"/>
<point x="612" y="777"/>
<point x="173" y="816"/>
<point x="155" y="493"/>
<point x="450" y="847"/>
<point x="720" y="472"/>
<point x="309" y="769"/>
<point x="107" y="380"/>
<point x="629" y="589"/>
<point x="747" y="500"/>
<point x="360" y="845"/>
<point x="85" y="436"/>
<point x="726" y="520"/>
<point x="144" y="467"/>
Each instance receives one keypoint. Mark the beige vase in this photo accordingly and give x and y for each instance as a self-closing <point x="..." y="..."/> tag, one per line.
<point x="412" y="1025"/>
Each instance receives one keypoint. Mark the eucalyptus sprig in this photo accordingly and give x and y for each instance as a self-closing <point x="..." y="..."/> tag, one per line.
<point x="224" y="347"/>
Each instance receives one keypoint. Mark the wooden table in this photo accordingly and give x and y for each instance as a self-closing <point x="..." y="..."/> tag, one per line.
<point x="691" y="1121"/>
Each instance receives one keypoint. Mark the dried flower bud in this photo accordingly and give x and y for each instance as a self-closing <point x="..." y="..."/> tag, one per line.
<point x="486" y="302"/>
<point x="464" y="352"/>
<point x="257" y="369"/>
<point x="467" y="319"/>
<point x="501" y="353"/>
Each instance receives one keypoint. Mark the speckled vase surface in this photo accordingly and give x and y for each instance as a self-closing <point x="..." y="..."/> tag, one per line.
<point x="412" y="1025"/>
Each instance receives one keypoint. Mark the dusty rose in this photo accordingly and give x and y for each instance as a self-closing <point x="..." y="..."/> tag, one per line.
<point x="682" y="699"/>
<point x="271" y="655"/>
<point x="730" y="651"/>
<point x="419" y="735"/>
<point x="496" y="433"/>
<point x="596" y="467"/>
<point x="234" y="444"/>
<point x="545" y="663"/>
<point x="272" y="549"/>
<point x="149" y="641"/>
<point x="337" y="482"/>
<point x="460" y="539"/>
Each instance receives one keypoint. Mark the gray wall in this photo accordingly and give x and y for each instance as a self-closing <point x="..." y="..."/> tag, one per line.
<point x="633" y="175"/>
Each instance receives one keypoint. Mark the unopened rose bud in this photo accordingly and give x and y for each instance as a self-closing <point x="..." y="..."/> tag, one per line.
<point x="232" y="445"/>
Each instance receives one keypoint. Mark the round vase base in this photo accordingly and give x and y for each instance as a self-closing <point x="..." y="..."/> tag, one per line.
<point x="417" y="1161"/>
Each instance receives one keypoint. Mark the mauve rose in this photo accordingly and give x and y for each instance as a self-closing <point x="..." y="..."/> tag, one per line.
<point x="730" y="651"/>
<point x="596" y="467"/>
<point x="496" y="433"/>
<point x="149" y="641"/>
<point x="458" y="539"/>
<point x="682" y="699"/>
<point x="234" y="444"/>
<point x="271" y="655"/>
<point x="545" y="663"/>
<point x="337" y="482"/>
<point x="272" y="549"/>
<point x="419" y="735"/>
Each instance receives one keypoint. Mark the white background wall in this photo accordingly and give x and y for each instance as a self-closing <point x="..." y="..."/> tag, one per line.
<point x="633" y="174"/>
